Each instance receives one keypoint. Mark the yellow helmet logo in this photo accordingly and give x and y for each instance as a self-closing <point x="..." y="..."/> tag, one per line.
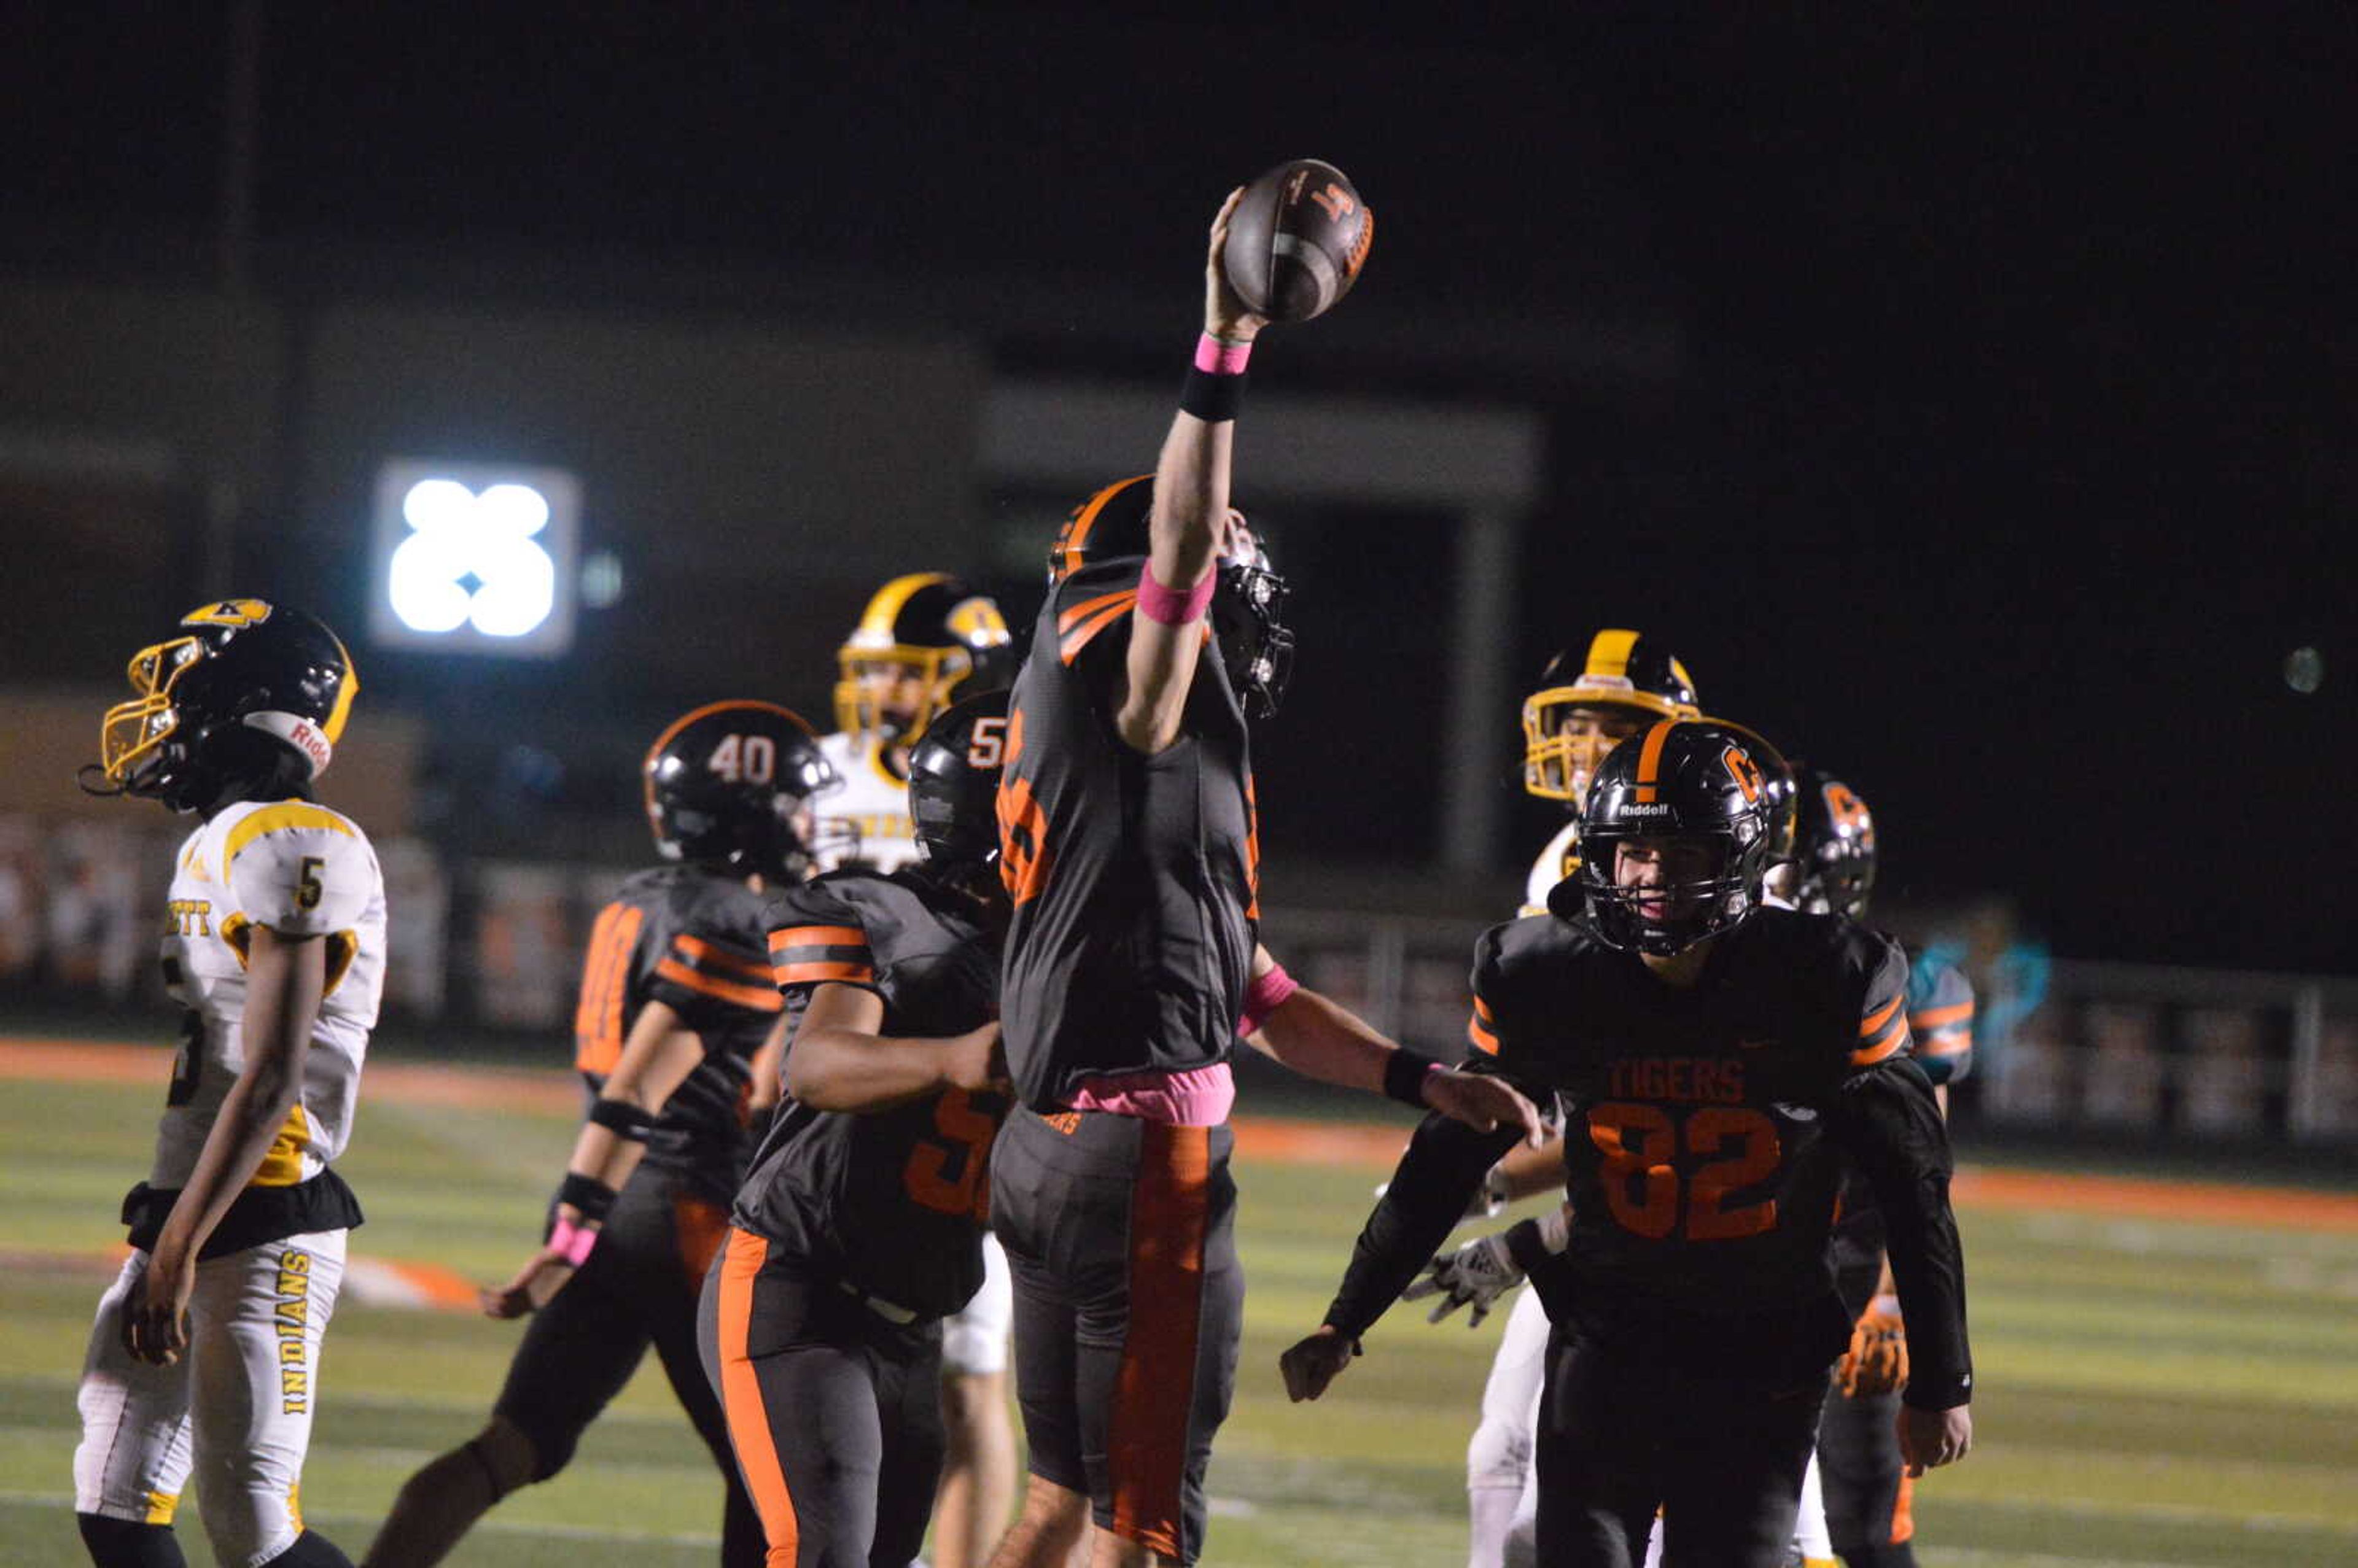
<point x="235" y="612"/>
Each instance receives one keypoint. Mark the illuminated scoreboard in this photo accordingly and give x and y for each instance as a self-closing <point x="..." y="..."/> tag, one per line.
<point x="475" y="558"/>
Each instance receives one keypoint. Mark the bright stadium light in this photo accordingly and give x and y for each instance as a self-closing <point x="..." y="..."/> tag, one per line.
<point x="475" y="558"/>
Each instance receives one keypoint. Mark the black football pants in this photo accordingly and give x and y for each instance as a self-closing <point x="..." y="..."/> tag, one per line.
<point x="1623" y="1433"/>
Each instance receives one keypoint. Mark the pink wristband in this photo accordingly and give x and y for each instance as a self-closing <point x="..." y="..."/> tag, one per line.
<point x="1214" y="357"/>
<point x="1173" y="606"/>
<point x="571" y="1242"/>
<point x="1263" y="997"/>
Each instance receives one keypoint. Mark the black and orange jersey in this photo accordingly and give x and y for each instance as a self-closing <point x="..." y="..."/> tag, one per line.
<point x="691" y="939"/>
<point x="894" y="1201"/>
<point x="1133" y="876"/>
<point x="1708" y="1129"/>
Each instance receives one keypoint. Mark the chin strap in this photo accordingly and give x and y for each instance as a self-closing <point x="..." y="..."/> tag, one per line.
<point x="105" y="788"/>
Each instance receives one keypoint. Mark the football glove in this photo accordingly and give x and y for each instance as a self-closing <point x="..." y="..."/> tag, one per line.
<point x="1475" y="1276"/>
<point x="1876" y="1361"/>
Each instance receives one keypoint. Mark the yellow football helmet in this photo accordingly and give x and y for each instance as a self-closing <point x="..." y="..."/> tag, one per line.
<point x="1580" y="713"/>
<point x="925" y="640"/>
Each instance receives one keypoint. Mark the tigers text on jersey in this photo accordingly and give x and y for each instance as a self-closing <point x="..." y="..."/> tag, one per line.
<point x="1133" y="876"/>
<point x="893" y="1201"/>
<point x="303" y="871"/>
<point x="864" y="820"/>
<point x="1707" y="1131"/>
<point x="691" y="939"/>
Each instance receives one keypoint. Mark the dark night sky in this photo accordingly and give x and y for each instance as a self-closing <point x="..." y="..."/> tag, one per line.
<point x="2012" y="430"/>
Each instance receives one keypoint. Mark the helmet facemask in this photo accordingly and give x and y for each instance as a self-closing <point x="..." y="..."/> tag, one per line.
<point x="1668" y="917"/>
<point x="1567" y="737"/>
<point x="1248" y="619"/>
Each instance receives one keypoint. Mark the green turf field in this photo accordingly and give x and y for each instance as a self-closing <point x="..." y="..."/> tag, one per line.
<point x="2151" y="1392"/>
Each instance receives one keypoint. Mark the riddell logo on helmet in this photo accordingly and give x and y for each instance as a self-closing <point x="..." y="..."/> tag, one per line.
<point x="1655" y="810"/>
<point x="311" y="744"/>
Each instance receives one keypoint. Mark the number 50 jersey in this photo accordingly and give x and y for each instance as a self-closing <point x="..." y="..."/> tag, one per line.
<point x="304" y="871"/>
<point x="891" y="1201"/>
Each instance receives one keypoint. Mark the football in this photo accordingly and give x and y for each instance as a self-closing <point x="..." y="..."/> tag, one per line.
<point x="1297" y="239"/>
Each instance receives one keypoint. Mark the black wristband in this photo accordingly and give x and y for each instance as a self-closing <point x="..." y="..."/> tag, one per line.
<point x="622" y="1117"/>
<point x="1404" y="1073"/>
<point x="1213" y="399"/>
<point x="593" y="1197"/>
<point x="1524" y="1244"/>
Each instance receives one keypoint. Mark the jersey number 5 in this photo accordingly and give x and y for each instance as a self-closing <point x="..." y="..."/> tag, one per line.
<point x="965" y="1149"/>
<point x="1642" y="1187"/>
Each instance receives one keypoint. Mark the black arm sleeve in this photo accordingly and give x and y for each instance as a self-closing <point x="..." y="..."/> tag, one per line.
<point x="1444" y="1162"/>
<point x="1889" y="1124"/>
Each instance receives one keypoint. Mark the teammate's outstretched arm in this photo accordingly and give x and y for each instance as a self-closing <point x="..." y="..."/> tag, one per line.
<point x="657" y="1058"/>
<point x="1311" y="1034"/>
<point x="1189" y="527"/>
<point x="284" y="979"/>
<point x="1421" y="1203"/>
<point x="839" y="1061"/>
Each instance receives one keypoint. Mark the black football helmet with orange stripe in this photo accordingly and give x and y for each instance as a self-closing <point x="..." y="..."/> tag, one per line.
<point x="1583" y="707"/>
<point x="1695" y="790"/>
<point x="250" y="697"/>
<point x="728" y="787"/>
<point x="1248" y="604"/>
<point x="1834" y="846"/>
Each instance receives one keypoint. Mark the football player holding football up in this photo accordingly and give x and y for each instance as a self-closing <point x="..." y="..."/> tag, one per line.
<point x="204" y="1359"/>
<point x="1719" y="1065"/>
<point x="1132" y="967"/>
<point x="677" y="1020"/>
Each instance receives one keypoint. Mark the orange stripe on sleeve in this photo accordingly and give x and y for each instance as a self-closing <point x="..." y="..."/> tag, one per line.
<point x="705" y="956"/>
<point x="760" y="999"/>
<point x="818" y="936"/>
<point x="1933" y="1017"/>
<point x="811" y="974"/>
<point x="1890" y="1042"/>
<point x="1482" y="1039"/>
<point x="740" y="1399"/>
<point x="1072" y="616"/>
<point x="1874" y="1021"/>
<point x="1081" y="636"/>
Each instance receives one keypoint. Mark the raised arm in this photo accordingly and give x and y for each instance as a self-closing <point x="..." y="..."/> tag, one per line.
<point x="1190" y="521"/>
<point x="284" y="979"/>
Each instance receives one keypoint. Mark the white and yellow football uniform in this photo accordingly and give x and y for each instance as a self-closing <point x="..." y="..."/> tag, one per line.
<point x="234" y="1412"/>
<point x="865" y="820"/>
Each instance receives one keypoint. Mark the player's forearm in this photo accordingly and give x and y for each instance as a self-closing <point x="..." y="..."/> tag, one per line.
<point x="251" y="1115"/>
<point x="1527" y="1172"/>
<point x="1191" y="505"/>
<point x="285" y="981"/>
<point x="838" y="1069"/>
<point x="1312" y="1034"/>
<point x="1425" y="1198"/>
<point x="1891" y="1128"/>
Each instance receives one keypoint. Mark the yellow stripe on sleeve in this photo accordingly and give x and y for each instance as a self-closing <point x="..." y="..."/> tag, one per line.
<point x="271" y="818"/>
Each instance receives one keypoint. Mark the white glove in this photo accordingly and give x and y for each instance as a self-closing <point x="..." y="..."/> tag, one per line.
<point x="1475" y="1275"/>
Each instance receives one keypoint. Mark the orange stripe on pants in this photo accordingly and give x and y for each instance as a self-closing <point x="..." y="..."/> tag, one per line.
<point x="740" y="1401"/>
<point x="1154" y="1397"/>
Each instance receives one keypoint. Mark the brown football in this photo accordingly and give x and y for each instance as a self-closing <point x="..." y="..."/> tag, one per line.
<point x="1297" y="239"/>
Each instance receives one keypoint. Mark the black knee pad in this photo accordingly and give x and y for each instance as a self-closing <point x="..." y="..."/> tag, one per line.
<point x="1900" y="1556"/>
<point x="312" y="1550"/>
<point x="120" y="1543"/>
